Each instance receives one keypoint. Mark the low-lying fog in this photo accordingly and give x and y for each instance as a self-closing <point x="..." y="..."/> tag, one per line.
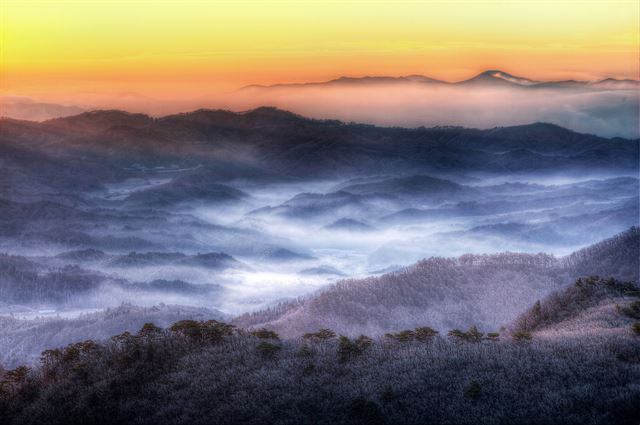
<point x="604" y="112"/>
<point x="289" y="240"/>
<point x="608" y="110"/>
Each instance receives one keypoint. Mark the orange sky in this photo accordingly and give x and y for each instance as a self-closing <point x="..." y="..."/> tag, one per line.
<point x="84" y="49"/>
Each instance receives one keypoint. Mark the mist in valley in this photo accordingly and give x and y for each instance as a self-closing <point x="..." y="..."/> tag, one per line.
<point x="268" y="218"/>
<point x="288" y="240"/>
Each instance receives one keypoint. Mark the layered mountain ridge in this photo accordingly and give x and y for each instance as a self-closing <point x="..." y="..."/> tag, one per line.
<point x="489" y="77"/>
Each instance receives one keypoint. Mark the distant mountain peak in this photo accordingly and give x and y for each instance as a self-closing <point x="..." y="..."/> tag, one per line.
<point x="616" y="83"/>
<point x="540" y="125"/>
<point x="272" y="115"/>
<point x="537" y="130"/>
<point x="270" y="111"/>
<point x="99" y="120"/>
<point x="414" y="78"/>
<point x="349" y="80"/>
<point x="102" y="115"/>
<point x="497" y="76"/>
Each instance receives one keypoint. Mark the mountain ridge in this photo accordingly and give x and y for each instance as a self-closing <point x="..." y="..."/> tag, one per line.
<point x="104" y="119"/>
<point x="282" y="143"/>
<point x="493" y="76"/>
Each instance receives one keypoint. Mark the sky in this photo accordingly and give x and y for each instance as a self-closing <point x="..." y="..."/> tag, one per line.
<point x="74" y="50"/>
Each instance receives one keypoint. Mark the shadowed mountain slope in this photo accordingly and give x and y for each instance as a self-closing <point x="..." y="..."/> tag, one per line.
<point x="289" y="144"/>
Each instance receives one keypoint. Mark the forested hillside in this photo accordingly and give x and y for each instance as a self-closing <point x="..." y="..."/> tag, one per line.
<point x="203" y="372"/>
<point x="591" y="307"/>
<point x="484" y="290"/>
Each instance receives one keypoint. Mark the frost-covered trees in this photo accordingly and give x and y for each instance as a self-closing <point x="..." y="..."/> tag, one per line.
<point x="179" y="376"/>
<point x="488" y="291"/>
<point x="575" y="299"/>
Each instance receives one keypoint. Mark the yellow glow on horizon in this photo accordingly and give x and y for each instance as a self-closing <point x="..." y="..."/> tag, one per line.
<point x="182" y="48"/>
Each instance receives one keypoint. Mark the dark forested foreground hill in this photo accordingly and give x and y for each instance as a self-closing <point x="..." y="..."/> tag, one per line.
<point x="210" y="373"/>
<point x="484" y="290"/>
